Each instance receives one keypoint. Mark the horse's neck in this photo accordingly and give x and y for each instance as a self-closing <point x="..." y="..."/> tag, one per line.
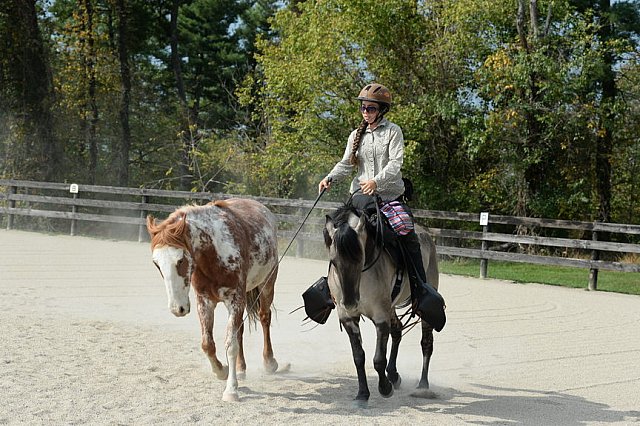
<point x="381" y="237"/>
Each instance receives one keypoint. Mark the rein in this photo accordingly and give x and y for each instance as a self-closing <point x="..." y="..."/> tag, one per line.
<point x="377" y="244"/>
<point x="379" y="237"/>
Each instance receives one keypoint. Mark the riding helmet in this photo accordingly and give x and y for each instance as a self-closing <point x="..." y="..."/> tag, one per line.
<point x="375" y="92"/>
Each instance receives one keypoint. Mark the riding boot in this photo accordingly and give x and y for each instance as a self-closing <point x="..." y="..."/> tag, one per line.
<point x="413" y="253"/>
<point x="427" y="303"/>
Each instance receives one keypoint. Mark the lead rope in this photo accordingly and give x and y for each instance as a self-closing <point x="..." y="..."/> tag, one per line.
<point x="288" y="246"/>
<point x="247" y="308"/>
<point x="303" y="222"/>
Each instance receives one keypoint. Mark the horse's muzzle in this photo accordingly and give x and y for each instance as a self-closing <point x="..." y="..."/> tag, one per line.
<point x="180" y="310"/>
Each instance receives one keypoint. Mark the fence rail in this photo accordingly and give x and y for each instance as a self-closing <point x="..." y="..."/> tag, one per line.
<point x="458" y="234"/>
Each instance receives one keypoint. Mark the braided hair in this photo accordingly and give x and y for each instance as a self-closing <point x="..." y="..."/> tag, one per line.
<point x="356" y="142"/>
<point x="353" y="159"/>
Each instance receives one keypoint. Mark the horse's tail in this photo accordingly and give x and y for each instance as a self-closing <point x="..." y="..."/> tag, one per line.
<point x="253" y="306"/>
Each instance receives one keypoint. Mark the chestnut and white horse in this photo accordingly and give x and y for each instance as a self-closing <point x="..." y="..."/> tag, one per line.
<point x="227" y="251"/>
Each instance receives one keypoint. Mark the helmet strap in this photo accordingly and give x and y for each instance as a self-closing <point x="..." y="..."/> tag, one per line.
<point x="381" y="112"/>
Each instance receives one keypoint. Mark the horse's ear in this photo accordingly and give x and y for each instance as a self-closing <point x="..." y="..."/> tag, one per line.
<point x="330" y="230"/>
<point x="151" y="224"/>
<point x="181" y="222"/>
<point x="361" y="224"/>
<point x="327" y="220"/>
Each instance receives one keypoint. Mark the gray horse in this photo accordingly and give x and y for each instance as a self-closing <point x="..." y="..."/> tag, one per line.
<point x="361" y="278"/>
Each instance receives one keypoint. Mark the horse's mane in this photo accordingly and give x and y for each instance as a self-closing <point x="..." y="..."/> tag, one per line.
<point x="345" y="237"/>
<point x="342" y="213"/>
<point x="173" y="230"/>
<point x="220" y="203"/>
<point x="170" y="232"/>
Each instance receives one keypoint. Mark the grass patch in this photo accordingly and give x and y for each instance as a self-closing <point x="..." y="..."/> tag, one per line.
<point x="619" y="282"/>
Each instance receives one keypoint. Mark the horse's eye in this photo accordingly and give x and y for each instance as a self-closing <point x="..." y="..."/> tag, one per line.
<point x="182" y="266"/>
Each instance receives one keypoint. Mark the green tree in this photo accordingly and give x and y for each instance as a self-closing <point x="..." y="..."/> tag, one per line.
<point x="545" y="137"/>
<point x="211" y="50"/>
<point x="92" y="89"/>
<point x="617" y="23"/>
<point x="424" y="51"/>
<point x="79" y="79"/>
<point x="32" y="149"/>
<point x="496" y="99"/>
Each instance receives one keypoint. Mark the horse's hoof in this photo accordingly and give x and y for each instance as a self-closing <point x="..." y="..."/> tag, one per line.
<point x="230" y="396"/>
<point x="271" y="366"/>
<point x="395" y="380"/>
<point x="386" y="391"/>
<point x="241" y="375"/>
<point x="223" y="373"/>
<point x="397" y="383"/>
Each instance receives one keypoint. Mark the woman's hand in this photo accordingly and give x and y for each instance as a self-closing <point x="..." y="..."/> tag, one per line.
<point x="324" y="184"/>
<point x="368" y="187"/>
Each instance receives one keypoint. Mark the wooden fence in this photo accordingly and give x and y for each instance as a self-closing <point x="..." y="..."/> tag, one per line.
<point x="592" y="245"/>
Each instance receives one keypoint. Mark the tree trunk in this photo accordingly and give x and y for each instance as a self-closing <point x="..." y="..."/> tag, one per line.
<point x="533" y="19"/>
<point x="30" y="73"/>
<point x="92" y="105"/>
<point x="185" y="114"/>
<point x="122" y="154"/>
<point x="604" y="137"/>
<point x="534" y="172"/>
<point x="522" y="34"/>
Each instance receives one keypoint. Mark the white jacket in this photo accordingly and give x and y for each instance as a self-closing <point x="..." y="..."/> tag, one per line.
<point x="380" y="157"/>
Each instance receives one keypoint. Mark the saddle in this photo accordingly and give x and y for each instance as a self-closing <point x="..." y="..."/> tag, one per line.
<point x="426" y="301"/>
<point x="390" y="240"/>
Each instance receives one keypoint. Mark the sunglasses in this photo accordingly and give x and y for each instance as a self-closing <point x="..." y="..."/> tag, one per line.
<point x="370" y="109"/>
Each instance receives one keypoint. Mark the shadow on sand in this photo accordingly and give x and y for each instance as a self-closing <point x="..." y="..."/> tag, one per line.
<point x="490" y="405"/>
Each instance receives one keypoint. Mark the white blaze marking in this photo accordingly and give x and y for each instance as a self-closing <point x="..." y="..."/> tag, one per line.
<point x="177" y="292"/>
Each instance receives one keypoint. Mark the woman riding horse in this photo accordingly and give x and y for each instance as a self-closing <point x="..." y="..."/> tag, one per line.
<point x="376" y="150"/>
<point x="365" y="279"/>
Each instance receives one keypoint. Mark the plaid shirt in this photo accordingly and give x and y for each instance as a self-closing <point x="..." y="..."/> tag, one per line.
<point x="380" y="157"/>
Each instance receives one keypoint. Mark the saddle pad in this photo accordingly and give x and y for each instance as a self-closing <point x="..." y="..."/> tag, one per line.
<point x="398" y="218"/>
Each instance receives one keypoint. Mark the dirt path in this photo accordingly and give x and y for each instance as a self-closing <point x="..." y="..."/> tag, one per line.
<point x="87" y="338"/>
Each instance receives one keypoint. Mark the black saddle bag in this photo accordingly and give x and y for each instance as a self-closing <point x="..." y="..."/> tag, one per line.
<point x="429" y="305"/>
<point x="317" y="301"/>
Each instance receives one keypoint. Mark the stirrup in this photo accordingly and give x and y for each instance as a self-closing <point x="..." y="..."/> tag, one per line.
<point x="318" y="302"/>
<point x="429" y="305"/>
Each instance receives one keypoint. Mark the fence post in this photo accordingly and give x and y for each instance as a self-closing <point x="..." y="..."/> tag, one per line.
<point x="595" y="255"/>
<point x="12" y="204"/>
<point x="73" y="189"/>
<point x="143" y="215"/>
<point x="484" y="221"/>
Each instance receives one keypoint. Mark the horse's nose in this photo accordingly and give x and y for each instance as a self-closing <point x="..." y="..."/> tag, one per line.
<point x="180" y="310"/>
